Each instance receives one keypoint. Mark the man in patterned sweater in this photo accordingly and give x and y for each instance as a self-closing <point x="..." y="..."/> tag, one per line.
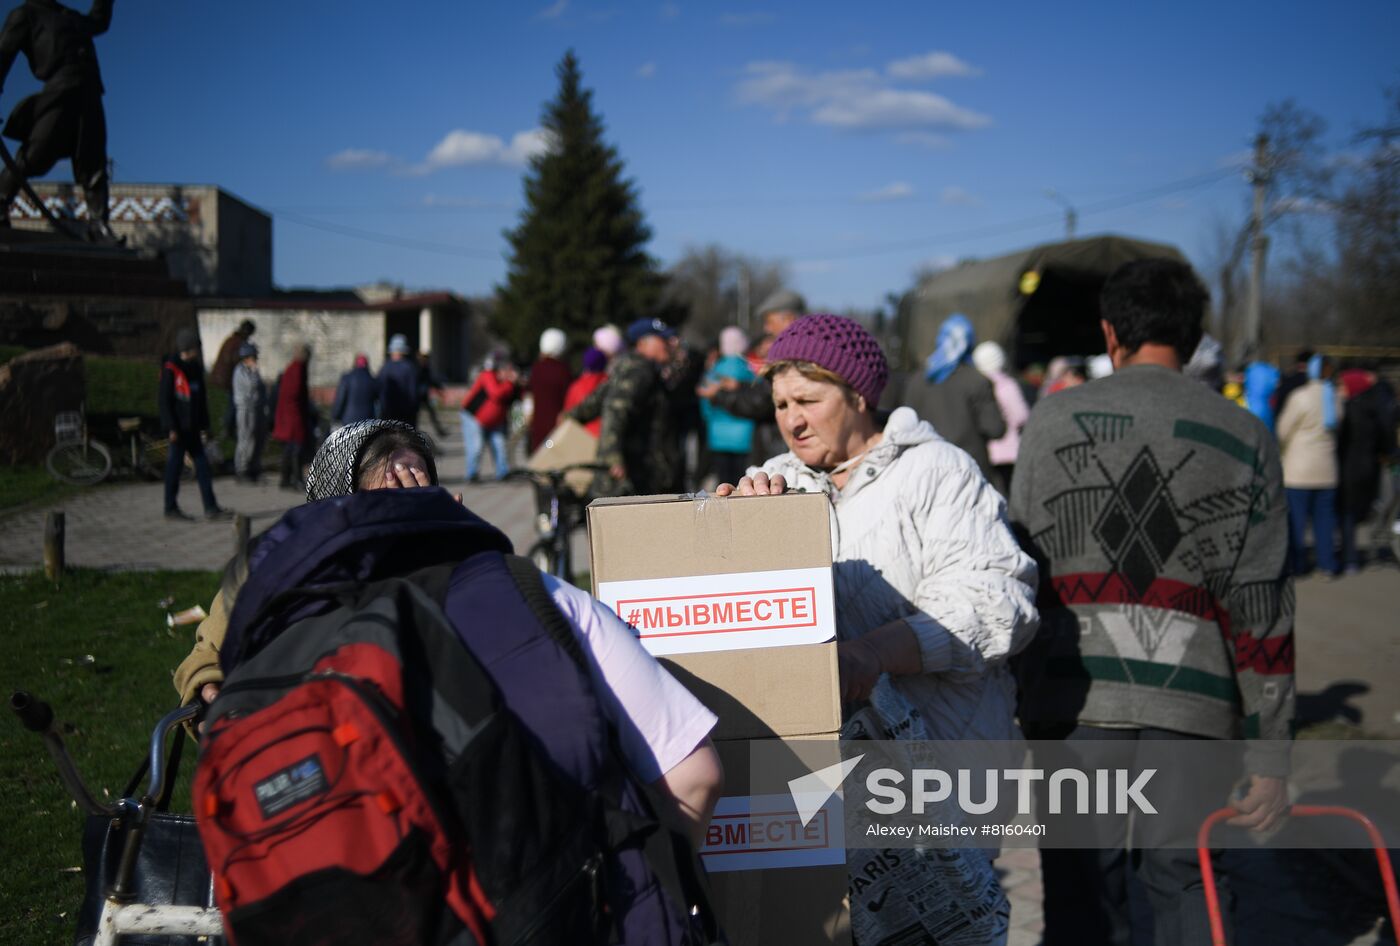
<point x="1155" y="509"/>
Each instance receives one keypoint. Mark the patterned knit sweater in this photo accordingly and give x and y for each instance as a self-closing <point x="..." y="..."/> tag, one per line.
<point x="1155" y="510"/>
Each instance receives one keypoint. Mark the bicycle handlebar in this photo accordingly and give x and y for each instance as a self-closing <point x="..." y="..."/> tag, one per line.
<point x="556" y="476"/>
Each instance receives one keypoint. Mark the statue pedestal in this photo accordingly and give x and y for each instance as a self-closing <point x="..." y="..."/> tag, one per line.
<point x="104" y="299"/>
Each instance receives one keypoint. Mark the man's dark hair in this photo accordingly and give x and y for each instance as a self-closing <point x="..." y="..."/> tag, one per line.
<point x="1155" y="301"/>
<point x="246" y="327"/>
<point x="379" y="448"/>
<point x="1304" y="356"/>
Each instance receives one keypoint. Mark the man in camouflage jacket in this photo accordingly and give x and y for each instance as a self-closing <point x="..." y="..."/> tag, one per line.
<point x="638" y="439"/>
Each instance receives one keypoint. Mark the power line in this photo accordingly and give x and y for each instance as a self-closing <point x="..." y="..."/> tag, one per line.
<point x="1030" y="223"/>
<point x="992" y="230"/>
<point x="389" y="239"/>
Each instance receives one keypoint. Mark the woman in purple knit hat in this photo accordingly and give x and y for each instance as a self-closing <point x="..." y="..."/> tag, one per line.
<point x="933" y="594"/>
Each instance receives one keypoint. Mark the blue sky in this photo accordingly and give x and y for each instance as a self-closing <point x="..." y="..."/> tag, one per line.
<point x="857" y="142"/>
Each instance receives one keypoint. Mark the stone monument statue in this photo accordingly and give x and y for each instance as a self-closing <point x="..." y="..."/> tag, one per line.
<point x="66" y="118"/>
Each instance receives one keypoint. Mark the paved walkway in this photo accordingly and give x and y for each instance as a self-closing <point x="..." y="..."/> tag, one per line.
<point x="121" y="526"/>
<point x="1348" y="651"/>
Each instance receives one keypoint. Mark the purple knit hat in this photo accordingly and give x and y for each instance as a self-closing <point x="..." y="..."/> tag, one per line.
<point x="841" y="346"/>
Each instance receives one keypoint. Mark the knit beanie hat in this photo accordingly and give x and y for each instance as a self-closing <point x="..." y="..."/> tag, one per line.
<point x="608" y="340"/>
<point x="594" y="360"/>
<point x="841" y="346"/>
<point x="553" y="342"/>
<point x="733" y="341"/>
<point x="989" y="358"/>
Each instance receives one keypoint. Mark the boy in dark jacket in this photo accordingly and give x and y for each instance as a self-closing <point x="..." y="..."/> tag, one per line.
<point x="184" y="416"/>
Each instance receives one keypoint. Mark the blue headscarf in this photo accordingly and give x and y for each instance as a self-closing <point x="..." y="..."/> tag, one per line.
<point x="1260" y="383"/>
<point x="955" y="341"/>
<point x="1329" y="393"/>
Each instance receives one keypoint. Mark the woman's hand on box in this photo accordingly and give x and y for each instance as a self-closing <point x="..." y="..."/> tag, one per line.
<point x="760" y="484"/>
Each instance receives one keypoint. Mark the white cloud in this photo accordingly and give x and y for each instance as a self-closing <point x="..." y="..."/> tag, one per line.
<point x="359" y="159"/>
<point x="897" y="108"/>
<point x="957" y="197"/>
<point x="932" y="65"/>
<point x="854" y="99"/>
<point x="554" y="11"/>
<point x="756" y="18"/>
<point x="460" y="147"/>
<point x="669" y="11"/>
<point x="924" y="139"/>
<point x="646" y="70"/>
<point x="444" y="200"/>
<point x="899" y="190"/>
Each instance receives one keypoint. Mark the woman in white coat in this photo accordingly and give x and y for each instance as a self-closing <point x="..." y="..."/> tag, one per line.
<point x="933" y="593"/>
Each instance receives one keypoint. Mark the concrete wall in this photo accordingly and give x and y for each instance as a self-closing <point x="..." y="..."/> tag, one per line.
<point x="217" y="244"/>
<point x="335" y="337"/>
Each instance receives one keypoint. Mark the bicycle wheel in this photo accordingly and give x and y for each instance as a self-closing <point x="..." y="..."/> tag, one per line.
<point x="81" y="464"/>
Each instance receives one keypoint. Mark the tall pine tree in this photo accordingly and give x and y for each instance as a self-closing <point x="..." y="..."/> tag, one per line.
<point x="578" y="255"/>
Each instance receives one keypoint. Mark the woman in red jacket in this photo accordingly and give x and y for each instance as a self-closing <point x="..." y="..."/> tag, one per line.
<point x="291" y="424"/>
<point x="486" y="414"/>
<point x="595" y="372"/>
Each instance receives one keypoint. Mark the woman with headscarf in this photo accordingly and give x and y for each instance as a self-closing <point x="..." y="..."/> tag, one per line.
<point x="662" y="732"/>
<point x="1260" y="382"/>
<point x="550" y="378"/>
<point x="1307" y="436"/>
<point x="954" y="397"/>
<point x="990" y="359"/>
<point x="729" y="438"/>
<point x="933" y="593"/>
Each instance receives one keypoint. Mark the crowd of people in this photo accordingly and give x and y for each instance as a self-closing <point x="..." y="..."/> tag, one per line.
<point x="1007" y="547"/>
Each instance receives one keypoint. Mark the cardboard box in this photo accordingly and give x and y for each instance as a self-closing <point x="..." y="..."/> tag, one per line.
<point x="773" y="879"/>
<point x="715" y="574"/>
<point x="735" y="598"/>
<point x="566" y="444"/>
<point x="771" y="691"/>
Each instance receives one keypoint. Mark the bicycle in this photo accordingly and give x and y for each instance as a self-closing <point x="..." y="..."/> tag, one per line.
<point x="131" y="818"/>
<point x="82" y="460"/>
<point x="562" y="513"/>
<point x="76" y="458"/>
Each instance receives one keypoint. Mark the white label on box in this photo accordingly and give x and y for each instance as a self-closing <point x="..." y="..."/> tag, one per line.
<point x="726" y="612"/>
<point x="758" y="832"/>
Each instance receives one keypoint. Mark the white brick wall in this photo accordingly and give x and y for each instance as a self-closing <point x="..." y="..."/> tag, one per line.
<point x="335" y="338"/>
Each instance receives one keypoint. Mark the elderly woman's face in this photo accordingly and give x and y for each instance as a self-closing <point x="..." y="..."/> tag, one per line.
<point x="817" y="420"/>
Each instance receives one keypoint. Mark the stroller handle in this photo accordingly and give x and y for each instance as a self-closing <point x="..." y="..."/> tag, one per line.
<point x="37" y="717"/>
<point x="34" y="714"/>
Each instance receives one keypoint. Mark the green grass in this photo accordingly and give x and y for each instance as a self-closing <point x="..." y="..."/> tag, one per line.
<point x="108" y="705"/>
<point x="116" y="387"/>
<point x="22" y="485"/>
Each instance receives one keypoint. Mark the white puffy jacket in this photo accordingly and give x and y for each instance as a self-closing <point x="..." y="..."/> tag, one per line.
<point x="919" y="534"/>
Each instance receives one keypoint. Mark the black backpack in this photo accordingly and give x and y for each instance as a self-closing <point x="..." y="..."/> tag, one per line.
<point x="362" y="781"/>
